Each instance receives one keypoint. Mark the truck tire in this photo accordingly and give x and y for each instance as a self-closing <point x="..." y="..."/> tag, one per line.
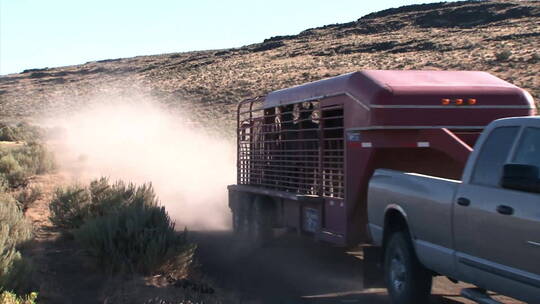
<point x="407" y="281"/>
<point x="261" y="226"/>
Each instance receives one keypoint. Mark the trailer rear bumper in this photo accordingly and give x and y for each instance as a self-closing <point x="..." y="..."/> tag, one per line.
<point x="304" y="213"/>
<point x="314" y="199"/>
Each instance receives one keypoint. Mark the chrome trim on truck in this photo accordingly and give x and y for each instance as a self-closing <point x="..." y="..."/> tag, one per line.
<point x="416" y="127"/>
<point x="499" y="270"/>
<point x="533" y="243"/>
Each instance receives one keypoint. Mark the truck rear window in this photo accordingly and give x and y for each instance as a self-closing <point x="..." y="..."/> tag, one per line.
<point x="528" y="151"/>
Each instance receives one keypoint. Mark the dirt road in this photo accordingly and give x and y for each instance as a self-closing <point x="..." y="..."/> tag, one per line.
<point x="294" y="270"/>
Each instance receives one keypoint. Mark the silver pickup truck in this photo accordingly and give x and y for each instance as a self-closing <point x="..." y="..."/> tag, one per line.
<point x="483" y="230"/>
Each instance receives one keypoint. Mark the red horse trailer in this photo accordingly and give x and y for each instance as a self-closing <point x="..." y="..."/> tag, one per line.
<point x="306" y="153"/>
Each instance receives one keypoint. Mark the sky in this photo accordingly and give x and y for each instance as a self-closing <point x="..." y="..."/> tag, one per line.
<point x="51" y="33"/>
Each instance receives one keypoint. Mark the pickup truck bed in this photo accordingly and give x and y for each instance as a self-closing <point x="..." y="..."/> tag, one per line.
<point x="426" y="198"/>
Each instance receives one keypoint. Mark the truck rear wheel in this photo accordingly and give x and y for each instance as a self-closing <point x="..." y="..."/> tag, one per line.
<point x="407" y="281"/>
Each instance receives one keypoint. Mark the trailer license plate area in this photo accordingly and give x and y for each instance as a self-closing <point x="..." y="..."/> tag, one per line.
<point x="311" y="219"/>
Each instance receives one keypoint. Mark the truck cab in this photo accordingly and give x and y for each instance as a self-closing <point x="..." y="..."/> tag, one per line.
<point x="497" y="210"/>
<point x="489" y="222"/>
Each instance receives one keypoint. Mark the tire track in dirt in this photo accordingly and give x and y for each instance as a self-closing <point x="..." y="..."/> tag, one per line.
<point x="295" y="270"/>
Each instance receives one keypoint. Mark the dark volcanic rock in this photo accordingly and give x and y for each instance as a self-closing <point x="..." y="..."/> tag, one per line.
<point x="279" y="38"/>
<point x="515" y="36"/>
<point x="34" y="70"/>
<point x="38" y="75"/>
<point x="469" y="16"/>
<point x="463" y="14"/>
<point x="109" y="60"/>
<point x="53" y="80"/>
<point x="270" y="45"/>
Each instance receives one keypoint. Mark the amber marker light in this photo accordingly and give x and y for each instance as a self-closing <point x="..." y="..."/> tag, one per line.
<point x="459" y="101"/>
<point x="472" y="101"/>
<point x="445" y="101"/>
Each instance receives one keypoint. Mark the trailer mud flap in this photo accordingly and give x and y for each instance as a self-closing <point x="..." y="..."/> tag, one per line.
<point x="373" y="272"/>
<point x="335" y="213"/>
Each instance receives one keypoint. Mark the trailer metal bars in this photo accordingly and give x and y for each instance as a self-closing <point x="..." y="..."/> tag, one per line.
<point x="297" y="148"/>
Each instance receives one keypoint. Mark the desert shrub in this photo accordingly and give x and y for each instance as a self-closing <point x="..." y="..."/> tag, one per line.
<point x="503" y="55"/>
<point x="73" y="205"/>
<point x="15" y="230"/>
<point x="28" y="196"/>
<point x="18" y="178"/>
<point x="35" y="158"/>
<point x="110" y="197"/>
<point x="16" y="272"/>
<point x="122" y="226"/>
<point x="136" y="238"/>
<point x="19" y="163"/>
<point x="70" y="206"/>
<point x="4" y="183"/>
<point x="12" y="170"/>
<point x="8" y="163"/>
<point x="7" y="297"/>
<point x="20" y="230"/>
<point x="20" y="132"/>
<point x="6" y="133"/>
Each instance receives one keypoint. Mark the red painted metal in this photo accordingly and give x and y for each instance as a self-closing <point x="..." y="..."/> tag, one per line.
<point x="324" y="139"/>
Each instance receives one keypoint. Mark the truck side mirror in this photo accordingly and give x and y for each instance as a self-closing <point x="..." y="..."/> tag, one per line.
<point x="521" y="177"/>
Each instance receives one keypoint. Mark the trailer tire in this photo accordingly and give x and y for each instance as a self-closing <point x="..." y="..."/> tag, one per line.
<point x="261" y="227"/>
<point x="241" y="215"/>
<point x="407" y="280"/>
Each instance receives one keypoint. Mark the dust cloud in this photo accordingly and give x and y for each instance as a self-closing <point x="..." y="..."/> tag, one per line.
<point x="140" y="141"/>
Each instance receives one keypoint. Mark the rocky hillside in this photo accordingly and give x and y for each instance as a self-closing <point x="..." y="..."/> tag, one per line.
<point x="501" y="37"/>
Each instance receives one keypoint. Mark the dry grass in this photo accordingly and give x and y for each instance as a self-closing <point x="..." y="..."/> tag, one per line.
<point x="499" y="37"/>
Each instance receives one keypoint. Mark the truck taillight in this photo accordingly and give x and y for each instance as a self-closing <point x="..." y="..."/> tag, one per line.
<point x="458" y="101"/>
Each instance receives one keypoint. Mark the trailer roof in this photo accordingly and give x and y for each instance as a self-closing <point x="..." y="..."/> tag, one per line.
<point x="420" y="79"/>
<point x="395" y="87"/>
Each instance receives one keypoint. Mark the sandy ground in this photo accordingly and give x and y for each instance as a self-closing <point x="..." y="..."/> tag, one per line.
<point x="61" y="273"/>
<point x="293" y="270"/>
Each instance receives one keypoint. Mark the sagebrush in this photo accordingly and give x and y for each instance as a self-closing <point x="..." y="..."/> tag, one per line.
<point x="22" y="156"/>
<point x="136" y="238"/>
<point x="15" y="231"/>
<point x="28" y="196"/>
<point x="7" y="297"/>
<point x="70" y="206"/>
<point x="21" y="131"/>
<point x="20" y="162"/>
<point x="73" y="205"/>
<point x="122" y="225"/>
<point x="110" y="197"/>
